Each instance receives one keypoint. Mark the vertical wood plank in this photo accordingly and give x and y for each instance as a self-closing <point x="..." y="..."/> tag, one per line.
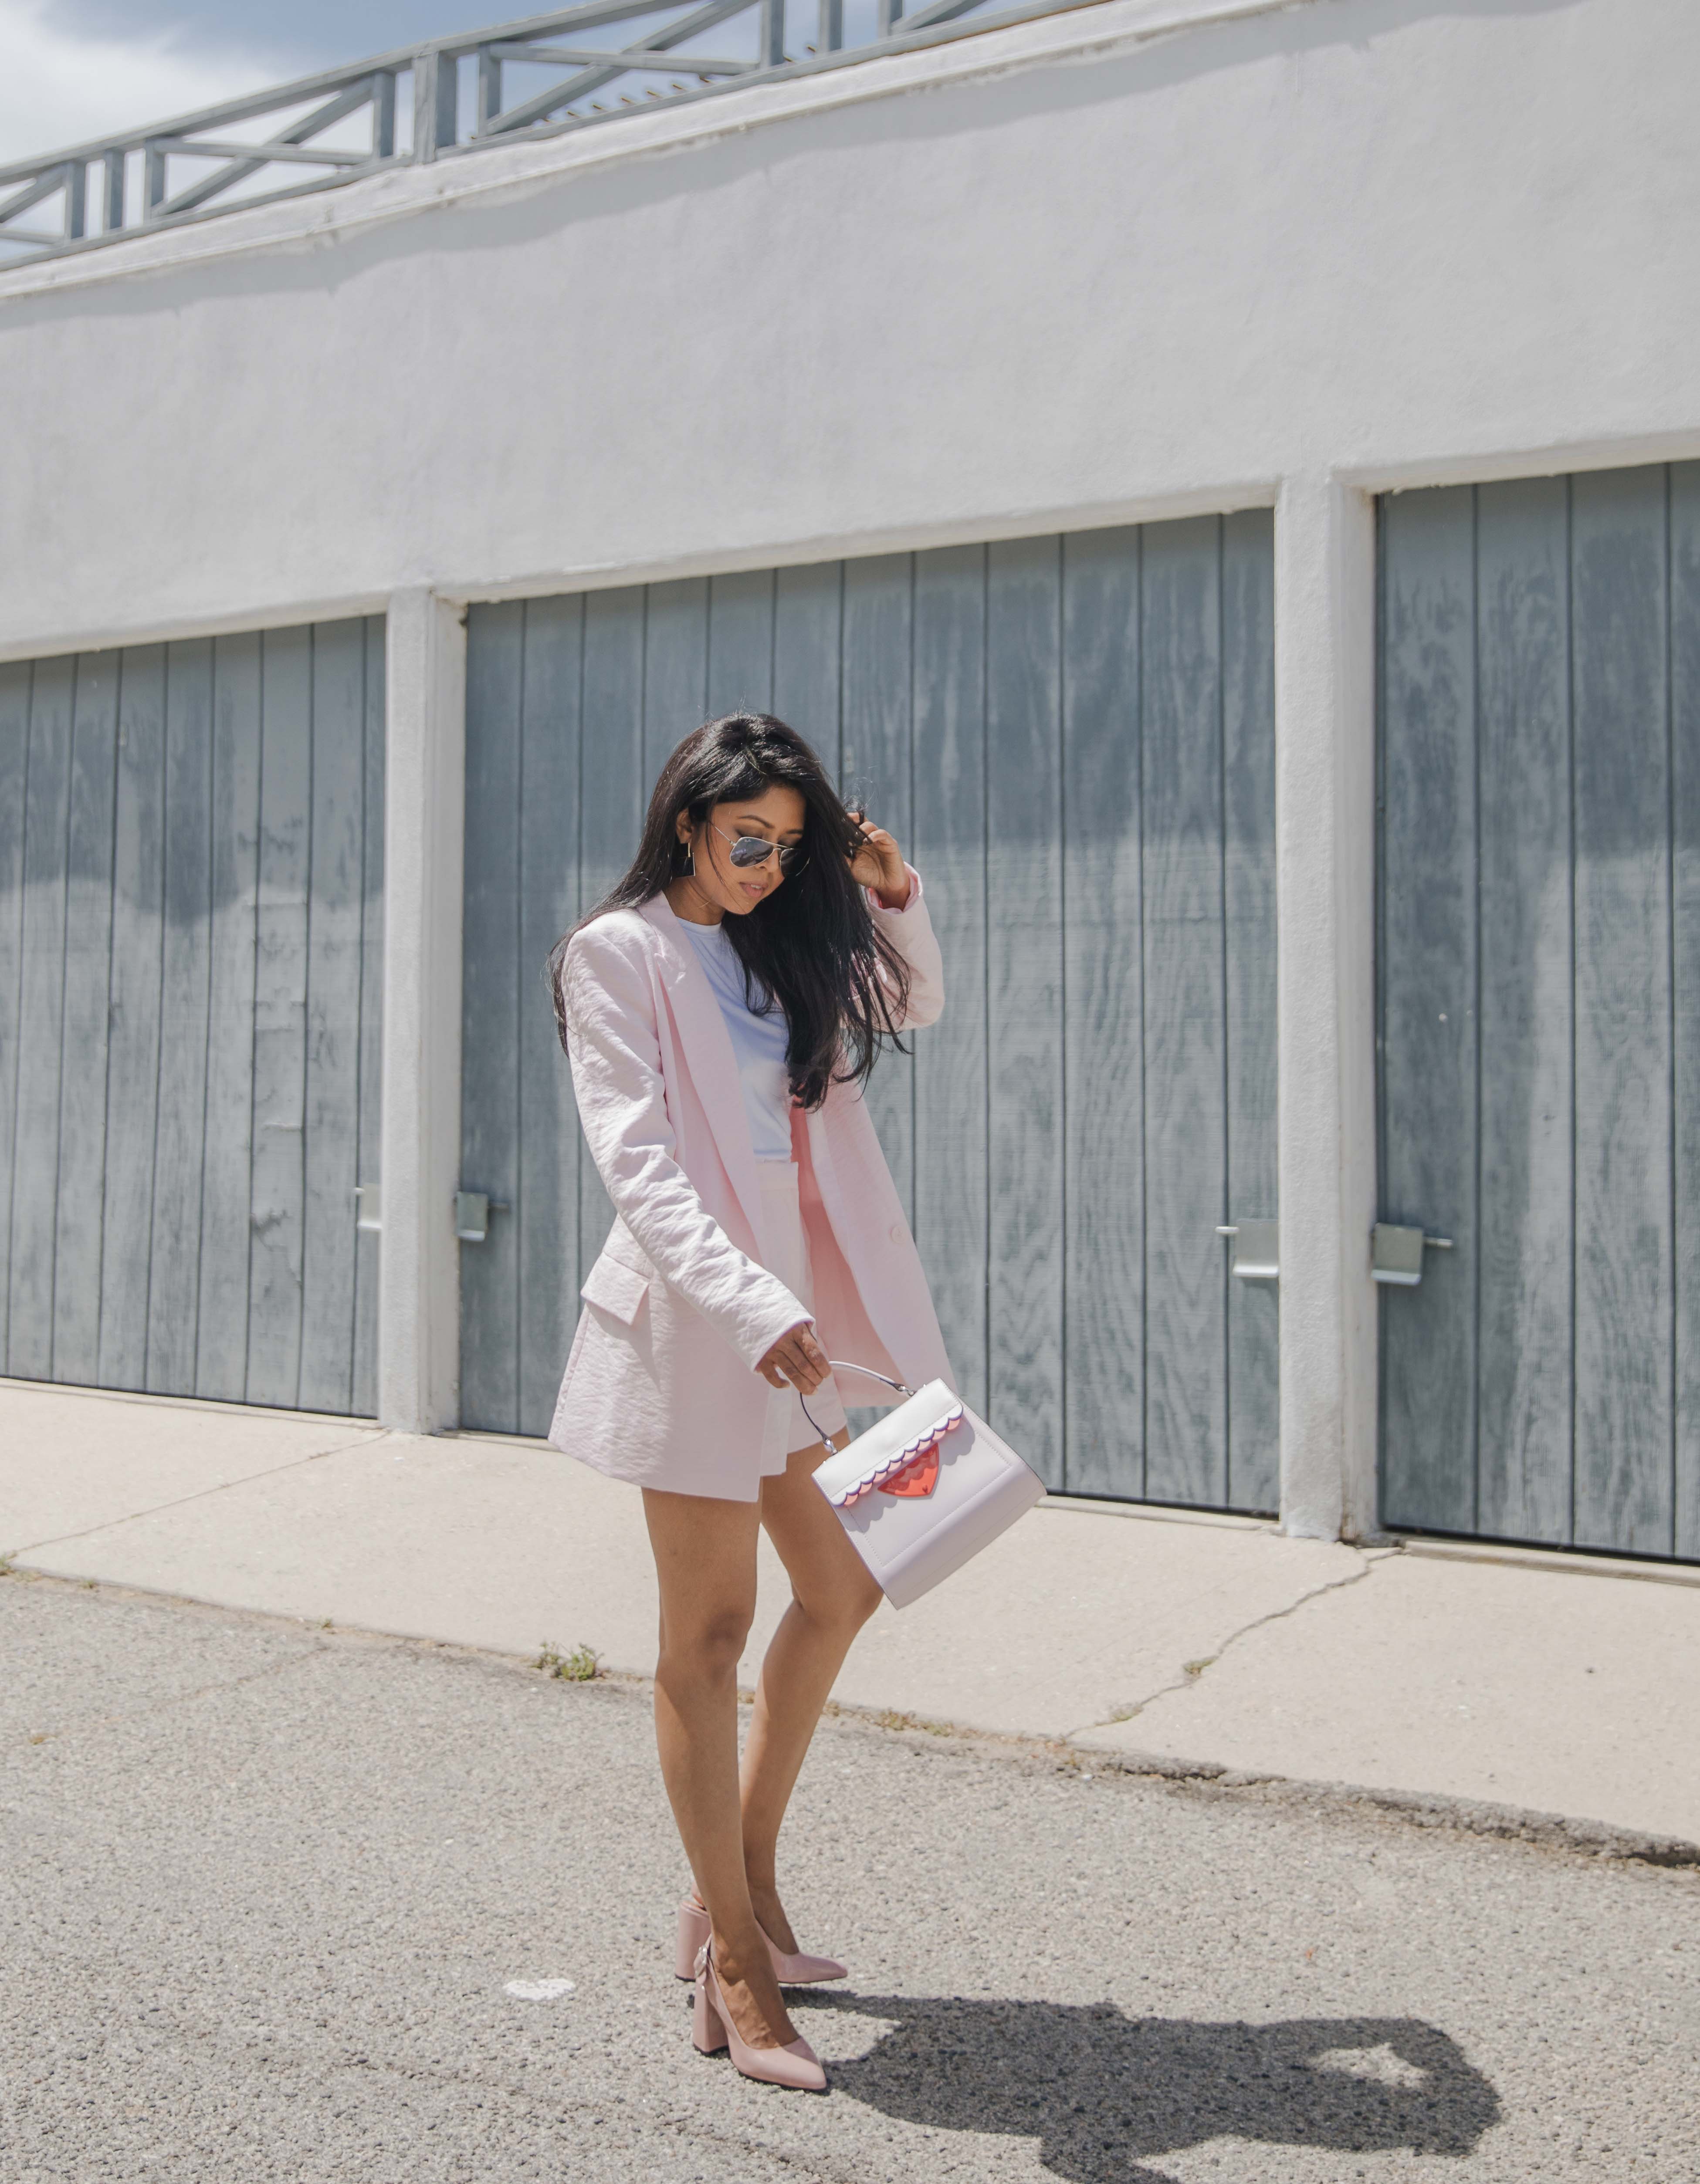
<point x="1186" y="1277"/>
<point x="1025" y="995"/>
<point x="808" y="613"/>
<point x="1428" y="1001"/>
<point x="950" y="851"/>
<point x="876" y="686"/>
<point x="280" y="1017"/>
<point x="1524" y="1429"/>
<point x="14" y="748"/>
<point x="88" y="972"/>
<point x="1104" y="1025"/>
<point x="174" y="1270"/>
<point x="675" y="691"/>
<point x="490" y="1004"/>
<point x="47" y="808"/>
<point x="614" y="785"/>
<point x="133" y="1048"/>
<point x="1625" y="1394"/>
<point x="1685" y="829"/>
<point x="369" y="1159"/>
<point x="330" y="1144"/>
<point x="546" y="1209"/>
<point x="1248" y="851"/>
<point x="740" y="642"/>
<point x="877" y="766"/>
<point x="227" y="1164"/>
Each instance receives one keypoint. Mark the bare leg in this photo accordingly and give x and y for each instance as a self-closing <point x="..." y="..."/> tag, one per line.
<point x="705" y="1554"/>
<point x="832" y="1597"/>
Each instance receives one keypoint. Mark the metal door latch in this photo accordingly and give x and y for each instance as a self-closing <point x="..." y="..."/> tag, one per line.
<point x="367" y="1206"/>
<point x="472" y="1211"/>
<point x="1396" y="1254"/>
<point x="1256" y="1250"/>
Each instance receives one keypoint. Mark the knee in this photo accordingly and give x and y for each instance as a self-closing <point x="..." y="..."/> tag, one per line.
<point x="867" y="1598"/>
<point x="709" y="1648"/>
<point x="843" y="1608"/>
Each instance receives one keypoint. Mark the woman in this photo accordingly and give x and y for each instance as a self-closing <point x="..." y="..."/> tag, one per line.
<point x="721" y="1010"/>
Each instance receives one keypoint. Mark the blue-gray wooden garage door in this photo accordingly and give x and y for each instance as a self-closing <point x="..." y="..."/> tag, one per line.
<point x="1540" y="1008"/>
<point x="190" y="932"/>
<point x="1073" y="740"/>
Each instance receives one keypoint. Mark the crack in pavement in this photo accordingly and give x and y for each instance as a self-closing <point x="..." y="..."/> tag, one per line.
<point x="368" y="1439"/>
<point x="1192" y="1673"/>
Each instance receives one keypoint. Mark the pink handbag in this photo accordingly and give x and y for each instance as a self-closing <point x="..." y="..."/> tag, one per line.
<point x="924" y="1490"/>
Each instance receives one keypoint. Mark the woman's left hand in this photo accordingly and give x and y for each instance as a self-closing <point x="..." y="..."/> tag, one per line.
<point x="879" y="864"/>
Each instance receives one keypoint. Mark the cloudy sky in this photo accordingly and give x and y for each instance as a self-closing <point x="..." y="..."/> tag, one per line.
<point x="75" y="68"/>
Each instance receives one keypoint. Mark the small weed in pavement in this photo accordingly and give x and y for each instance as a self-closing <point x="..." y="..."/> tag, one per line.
<point x="892" y="1719"/>
<point x="580" y="1666"/>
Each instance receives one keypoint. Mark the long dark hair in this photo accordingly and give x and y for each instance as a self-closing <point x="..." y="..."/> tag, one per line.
<point x="811" y="946"/>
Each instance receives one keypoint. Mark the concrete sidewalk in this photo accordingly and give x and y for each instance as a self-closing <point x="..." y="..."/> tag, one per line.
<point x="1560" y="1685"/>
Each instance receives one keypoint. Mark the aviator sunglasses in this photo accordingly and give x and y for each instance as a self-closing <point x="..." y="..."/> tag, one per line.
<point x="748" y="849"/>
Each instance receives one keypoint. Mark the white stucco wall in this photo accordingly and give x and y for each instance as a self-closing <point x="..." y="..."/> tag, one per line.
<point x="1080" y="270"/>
<point x="1387" y="238"/>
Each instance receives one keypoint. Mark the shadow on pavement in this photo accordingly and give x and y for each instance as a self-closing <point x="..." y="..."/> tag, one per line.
<point x="1103" y="2093"/>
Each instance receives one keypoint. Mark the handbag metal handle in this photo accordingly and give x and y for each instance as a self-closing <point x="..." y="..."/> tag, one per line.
<point x="844" y="1365"/>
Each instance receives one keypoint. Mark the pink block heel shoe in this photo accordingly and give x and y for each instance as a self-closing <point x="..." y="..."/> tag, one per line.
<point x="795" y="2064"/>
<point x="798" y="1969"/>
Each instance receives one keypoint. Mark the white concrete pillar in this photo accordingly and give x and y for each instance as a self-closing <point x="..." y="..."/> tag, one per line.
<point x="419" y="1322"/>
<point x="1325" y="862"/>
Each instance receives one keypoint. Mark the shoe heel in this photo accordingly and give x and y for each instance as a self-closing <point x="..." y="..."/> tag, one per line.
<point x="694" y="1932"/>
<point x="708" y="2034"/>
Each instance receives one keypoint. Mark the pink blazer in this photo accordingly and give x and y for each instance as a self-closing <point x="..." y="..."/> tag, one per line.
<point x="661" y="1386"/>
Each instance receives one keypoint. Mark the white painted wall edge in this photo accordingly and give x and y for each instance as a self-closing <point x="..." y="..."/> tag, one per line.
<point x="418" y="1280"/>
<point x="1325" y="981"/>
<point x="1222" y="497"/>
<point x="951" y="53"/>
<point x="274" y="614"/>
<point x="1486" y="465"/>
<point x="1461" y="465"/>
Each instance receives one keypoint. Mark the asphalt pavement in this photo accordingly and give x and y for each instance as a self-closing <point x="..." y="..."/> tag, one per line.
<point x="1535" y="1683"/>
<point x="266" y="1890"/>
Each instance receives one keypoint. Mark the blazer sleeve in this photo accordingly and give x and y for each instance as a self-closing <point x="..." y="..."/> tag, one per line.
<point x="910" y="931"/>
<point x="612" y="1041"/>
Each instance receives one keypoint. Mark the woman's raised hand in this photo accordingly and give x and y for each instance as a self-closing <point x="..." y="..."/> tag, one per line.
<point x="877" y="863"/>
<point x="796" y="1361"/>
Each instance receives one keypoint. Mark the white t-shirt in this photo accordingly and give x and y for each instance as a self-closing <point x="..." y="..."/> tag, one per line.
<point x="758" y="1042"/>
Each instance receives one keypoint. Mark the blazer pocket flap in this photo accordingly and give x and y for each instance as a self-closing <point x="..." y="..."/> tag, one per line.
<point x="619" y="1290"/>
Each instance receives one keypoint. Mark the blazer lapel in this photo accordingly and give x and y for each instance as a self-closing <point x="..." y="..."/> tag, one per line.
<point x="708" y="1054"/>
